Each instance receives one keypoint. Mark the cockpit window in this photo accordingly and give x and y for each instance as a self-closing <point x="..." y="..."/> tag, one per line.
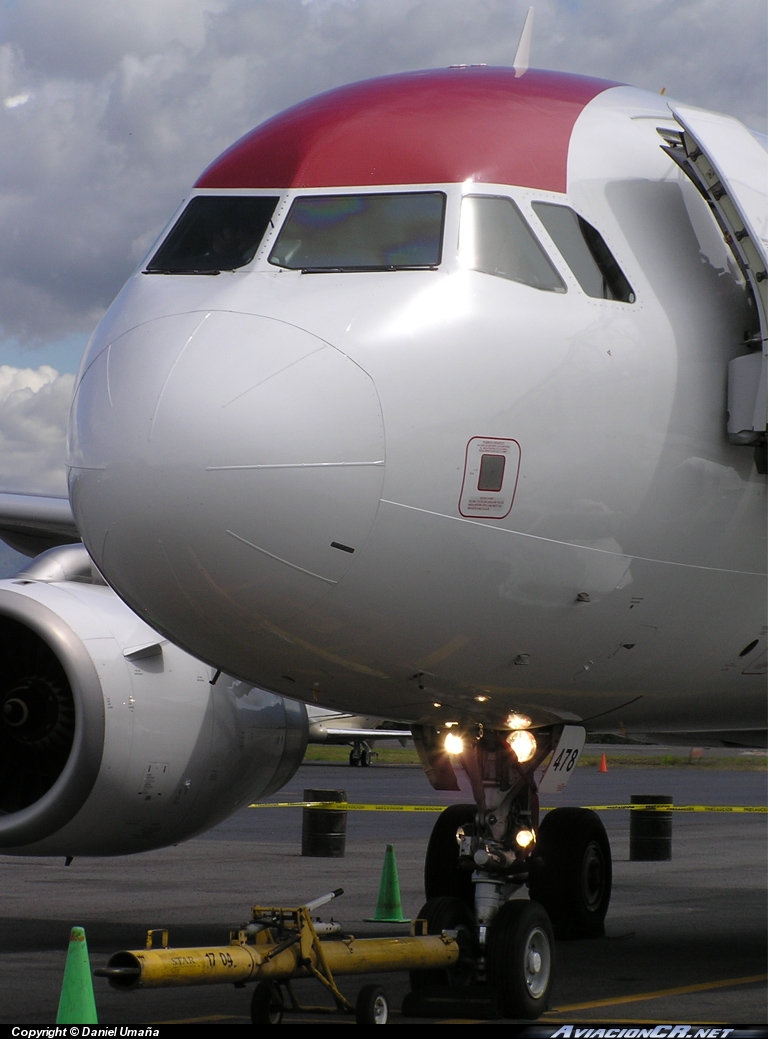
<point x="362" y="232"/>
<point x="495" y="239"/>
<point x="213" y="234"/>
<point x="585" y="252"/>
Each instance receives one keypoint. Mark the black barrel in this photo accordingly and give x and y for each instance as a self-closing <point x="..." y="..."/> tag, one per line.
<point x="650" y="832"/>
<point x="323" y="830"/>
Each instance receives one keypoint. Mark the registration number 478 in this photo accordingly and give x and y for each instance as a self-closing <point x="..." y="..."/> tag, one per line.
<point x="563" y="761"/>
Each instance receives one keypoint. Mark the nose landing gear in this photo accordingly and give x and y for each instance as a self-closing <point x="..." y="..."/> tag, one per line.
<point x="480" y="856"/>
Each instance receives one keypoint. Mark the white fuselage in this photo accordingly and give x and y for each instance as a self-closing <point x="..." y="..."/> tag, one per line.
<point x="234" y="437"/>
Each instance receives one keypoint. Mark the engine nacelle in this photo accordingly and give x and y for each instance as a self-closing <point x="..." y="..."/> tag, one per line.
<point x="113" y="740"/>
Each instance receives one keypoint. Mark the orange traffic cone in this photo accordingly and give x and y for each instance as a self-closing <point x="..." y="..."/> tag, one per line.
<point x="603" y="764"/>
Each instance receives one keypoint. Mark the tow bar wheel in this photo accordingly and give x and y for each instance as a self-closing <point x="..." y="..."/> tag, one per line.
<point x="371" y="1007"/>
<point x="521" y="958"/>
<point x="266" y="1004"/>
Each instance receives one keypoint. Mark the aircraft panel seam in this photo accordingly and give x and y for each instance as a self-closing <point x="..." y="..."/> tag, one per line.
<point x="571" y="544"/>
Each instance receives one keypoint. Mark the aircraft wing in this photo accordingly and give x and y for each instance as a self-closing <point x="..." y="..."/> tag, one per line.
<point x="368" y="734"/>
<point x="327" y="726"/>
<point x="31" y="523"/>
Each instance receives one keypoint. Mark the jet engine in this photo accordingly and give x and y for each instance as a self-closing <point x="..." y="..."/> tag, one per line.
<point x="113" y="740"/>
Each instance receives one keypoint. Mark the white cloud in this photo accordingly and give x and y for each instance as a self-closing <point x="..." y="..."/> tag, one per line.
<point x="34" y="405"/>
<point x="17" y="100"/>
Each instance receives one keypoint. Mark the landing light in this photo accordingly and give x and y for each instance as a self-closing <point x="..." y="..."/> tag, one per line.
<point x="524" y="838"/>
<point x="454" y="744"/>
<point x="523" y="743"/>
<point x="518" y="721"/>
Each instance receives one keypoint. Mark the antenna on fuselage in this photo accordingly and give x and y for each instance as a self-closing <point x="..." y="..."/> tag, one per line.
<point x="523" y="52"/>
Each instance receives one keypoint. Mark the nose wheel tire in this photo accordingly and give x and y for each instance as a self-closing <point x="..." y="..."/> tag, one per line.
<point x="520" y="956"/>
<point x="442" y="876"/>
<point x="574" y="881"/>
<point x="446" y="913"/>
<point x="266" y="1004"/>
<point x="371" y="1007"/>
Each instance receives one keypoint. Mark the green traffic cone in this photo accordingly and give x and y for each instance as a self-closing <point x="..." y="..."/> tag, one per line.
<point x="76" y="1003"/>
<point x="389" y="909"/>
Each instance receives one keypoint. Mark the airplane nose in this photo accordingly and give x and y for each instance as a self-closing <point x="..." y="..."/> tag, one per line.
<point x="227" y="455"/>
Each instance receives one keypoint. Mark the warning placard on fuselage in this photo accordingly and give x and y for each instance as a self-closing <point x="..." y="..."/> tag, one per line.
<point x="491" y="468"/>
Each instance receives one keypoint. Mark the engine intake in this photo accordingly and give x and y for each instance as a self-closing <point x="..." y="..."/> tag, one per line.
<point x="113" y="740"/>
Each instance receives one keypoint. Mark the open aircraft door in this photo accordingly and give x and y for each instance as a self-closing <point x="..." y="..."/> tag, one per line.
<point x="729" y="166"/>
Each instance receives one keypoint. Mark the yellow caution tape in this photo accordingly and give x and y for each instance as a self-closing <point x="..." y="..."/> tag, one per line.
<point x="345" y="806"/>
<point x="681" y="808"/>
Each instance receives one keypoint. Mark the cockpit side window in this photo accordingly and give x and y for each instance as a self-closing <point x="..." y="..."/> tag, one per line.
<point x="495" y="239"/>
<point x="214" y="233"/>
<point x="394" y="231"/>
<point x="585" y="252"/>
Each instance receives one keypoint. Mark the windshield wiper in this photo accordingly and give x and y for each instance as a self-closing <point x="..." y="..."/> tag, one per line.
<point x="363" y="270"/>
<point x="171" y="270"/>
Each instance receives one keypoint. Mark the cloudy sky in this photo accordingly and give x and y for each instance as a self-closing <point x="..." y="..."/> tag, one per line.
<point x="109" y="110"/>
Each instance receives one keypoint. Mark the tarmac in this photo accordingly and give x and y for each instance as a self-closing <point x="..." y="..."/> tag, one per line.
<point x="686" y="939"/>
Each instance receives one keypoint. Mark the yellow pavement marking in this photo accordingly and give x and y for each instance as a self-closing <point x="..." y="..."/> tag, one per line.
<point x="681" y="990"/>
<point x="593" y="1004"/>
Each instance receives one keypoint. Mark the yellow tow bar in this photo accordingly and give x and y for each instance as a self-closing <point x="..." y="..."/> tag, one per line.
<point x="277" y="946"/>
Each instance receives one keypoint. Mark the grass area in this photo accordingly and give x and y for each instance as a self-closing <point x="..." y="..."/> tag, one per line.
<point x="737" y="763"/>
<point x="620" y="759"/>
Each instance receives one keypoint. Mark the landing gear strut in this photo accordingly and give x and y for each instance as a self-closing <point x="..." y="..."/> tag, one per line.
<point x="481" y="856"/>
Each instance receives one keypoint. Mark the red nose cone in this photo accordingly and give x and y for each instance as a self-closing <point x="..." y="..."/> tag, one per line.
<point x="436" y="127"/>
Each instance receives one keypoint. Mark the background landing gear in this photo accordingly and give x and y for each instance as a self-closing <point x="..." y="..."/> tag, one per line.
<point x="360" y="755"/>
